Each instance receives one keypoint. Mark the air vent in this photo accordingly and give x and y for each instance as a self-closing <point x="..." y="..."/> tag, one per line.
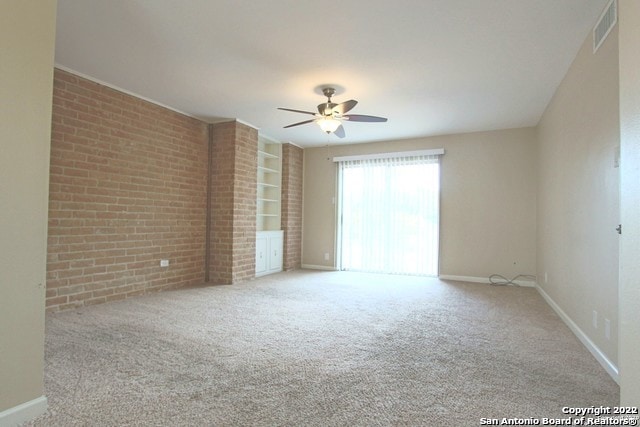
<point x="606" y="22"/>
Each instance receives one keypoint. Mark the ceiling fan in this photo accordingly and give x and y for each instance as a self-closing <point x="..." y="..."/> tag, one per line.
<point x="331" y="115"/>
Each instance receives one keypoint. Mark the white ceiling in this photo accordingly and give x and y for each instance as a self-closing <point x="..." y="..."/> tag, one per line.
<point x="432" y="67"/>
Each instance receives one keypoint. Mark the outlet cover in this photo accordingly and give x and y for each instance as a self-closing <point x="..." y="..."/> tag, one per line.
<point x="594" y="319"/>
<point x="164" y="263"/>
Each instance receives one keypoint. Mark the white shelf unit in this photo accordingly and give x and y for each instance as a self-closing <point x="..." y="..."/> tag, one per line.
<point x="269" y="185"/>
<point x="269" y="236"/>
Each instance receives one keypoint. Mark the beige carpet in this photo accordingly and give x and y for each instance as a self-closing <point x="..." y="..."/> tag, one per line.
<point x="318" y="349"/>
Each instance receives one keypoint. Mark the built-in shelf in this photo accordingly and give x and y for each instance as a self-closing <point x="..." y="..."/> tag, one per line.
<point x="268" y="170"/>
<point x="266" y="154"/>
<point x="269" y="236"/>
<point x="269" y="185"/>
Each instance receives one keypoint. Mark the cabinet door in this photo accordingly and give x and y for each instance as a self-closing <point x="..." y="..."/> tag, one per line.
<point x="261" y="255"/>
<point x="275" y="252"/>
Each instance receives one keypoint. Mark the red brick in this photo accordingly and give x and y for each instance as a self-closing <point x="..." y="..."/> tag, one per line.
<point x="291" y="219"/>
<point x="104" y="143"/>
<point x="129" y="187"/>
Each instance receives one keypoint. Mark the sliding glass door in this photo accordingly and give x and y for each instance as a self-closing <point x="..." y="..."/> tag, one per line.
<point x="389" y="215"/>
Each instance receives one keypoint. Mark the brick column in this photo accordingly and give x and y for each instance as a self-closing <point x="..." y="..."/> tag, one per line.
<point x="292" y="158"/>
<point x="233" y="202"/>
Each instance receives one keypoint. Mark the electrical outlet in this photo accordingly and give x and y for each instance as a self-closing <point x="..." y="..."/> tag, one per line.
<point x="594" y="319"/>
<point x="326" y="256"/>
<point x="164" y="263"/>
<point x="546" y="277"/>
<point x="607" y="329"/>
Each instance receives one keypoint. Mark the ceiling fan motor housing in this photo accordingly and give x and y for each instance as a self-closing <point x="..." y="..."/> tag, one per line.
<point x="326" y="109"/>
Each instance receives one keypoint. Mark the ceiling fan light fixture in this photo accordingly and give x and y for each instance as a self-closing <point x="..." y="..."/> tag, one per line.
<point x="330" y="115"/>
<point x="329" y="124"/>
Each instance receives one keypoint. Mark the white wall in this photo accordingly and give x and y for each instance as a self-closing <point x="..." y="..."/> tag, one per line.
<point x="629" y="27"/>
<point x="27" y="36"/>
<point x="487" y="201"/>
<point x="578" y="194"/>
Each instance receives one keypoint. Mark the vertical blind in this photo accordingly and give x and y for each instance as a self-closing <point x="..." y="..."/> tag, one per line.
<point x="389" y="213"/>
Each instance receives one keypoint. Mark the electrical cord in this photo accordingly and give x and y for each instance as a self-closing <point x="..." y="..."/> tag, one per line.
<point x="498" y="280"/>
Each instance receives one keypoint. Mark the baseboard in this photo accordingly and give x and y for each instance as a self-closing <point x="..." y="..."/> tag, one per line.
<point x="23" y="412"/>
<point x="611" y="369"/>
<point x="318" y="267"/>
<point x="523" y="283"/>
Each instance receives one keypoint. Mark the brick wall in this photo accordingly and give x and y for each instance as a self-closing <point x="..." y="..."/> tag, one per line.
<point x="127" y="188"/>
<point x="292" y="160"/>
<point x="233" y="202"/>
